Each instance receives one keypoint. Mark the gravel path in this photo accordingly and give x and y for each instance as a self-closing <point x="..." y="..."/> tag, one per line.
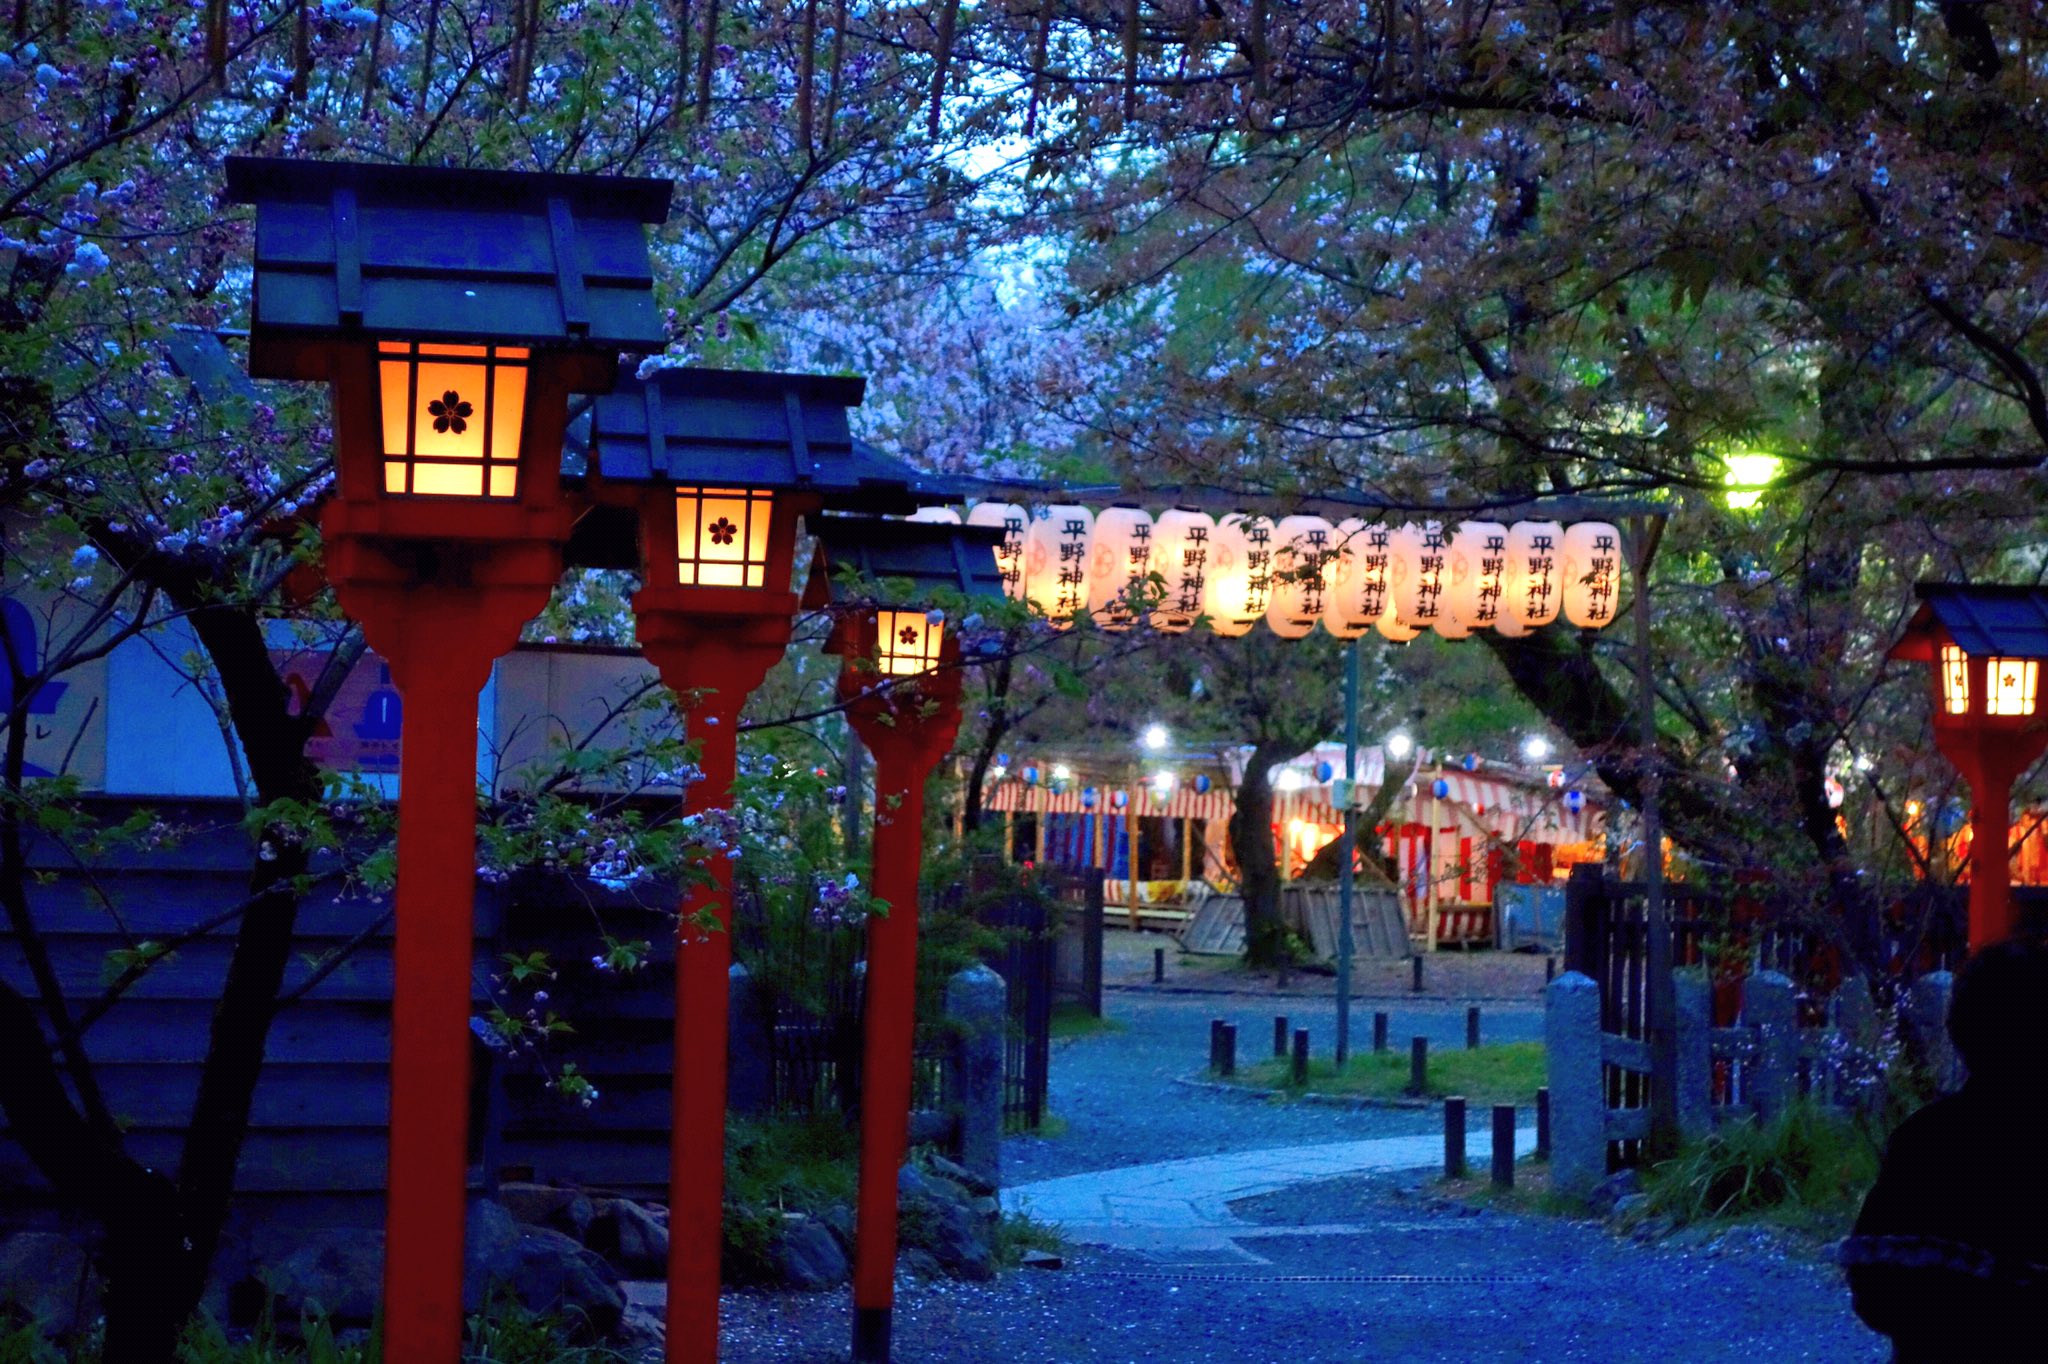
<point x="1417" y="1280"/>
<point x="1117" y="1096"/>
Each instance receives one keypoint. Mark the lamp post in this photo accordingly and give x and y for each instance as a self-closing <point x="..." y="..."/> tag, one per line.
<point x="453" y="313"/>
<point x="900" y="683"/>
<point x="719" y="464"/>
<point x="1985" y="646"/>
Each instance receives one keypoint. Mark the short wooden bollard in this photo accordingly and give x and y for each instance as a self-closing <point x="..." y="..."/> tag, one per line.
<point x="1472" y="1028"/>
<point x="1418" y="1066"/>
<point x="1279" y="1034"/>
<point x="1543" y="1122"/>
<point x="1379" y="1032"/>
<point x="1301" y="1056"/>
<point x="1158" y="966"/>
<point x="1229" y="1045"/>
<point x="1215" y="1045"/>
<point x="1415" y="974"/>
<point x="1503" y="1146"/>
<point x="1454" y="1137"/>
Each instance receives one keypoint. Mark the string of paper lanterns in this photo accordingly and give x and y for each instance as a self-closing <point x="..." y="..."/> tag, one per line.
<point x="1242" y="570"/>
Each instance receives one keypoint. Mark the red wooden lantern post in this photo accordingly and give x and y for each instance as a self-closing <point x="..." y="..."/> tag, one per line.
<point x="1986" y="645"/>
<point x="900" y="683"/>
<point x="451" y="376"/>
<point x="719" y="465"/>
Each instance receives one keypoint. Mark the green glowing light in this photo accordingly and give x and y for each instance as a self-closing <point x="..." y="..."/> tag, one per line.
<point x="1746" y="477"/>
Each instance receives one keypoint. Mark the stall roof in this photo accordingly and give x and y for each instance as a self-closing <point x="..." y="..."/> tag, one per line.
<point x="1984" y="618"/>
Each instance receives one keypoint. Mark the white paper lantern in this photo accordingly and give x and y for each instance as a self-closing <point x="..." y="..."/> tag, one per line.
<point x="1449" y="625"/>
<point x="1391" y="626"/>
<point x="1119" y="558"/>
<point x="1419" y="560"/>
<point x="944" y="516"/>
<point x="1347" y="547"/>
<point x="1010" y="553"/>
<point x="1301" y="561"/>
<point x="1181" y="545"/>
<point x="1592" y="574"/>
<point x="1056" y="561"/>
<point x="1530" y="588"/>
<point x="1479" y="561"/>
<point x="1240" y="579"/>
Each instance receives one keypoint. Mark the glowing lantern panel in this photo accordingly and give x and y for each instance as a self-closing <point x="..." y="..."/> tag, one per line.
<point x="2011" y="685"/>
<point x="944" y="516"/>
<point x="907" y="642"/>
<point x="722" y="537"/>
<point x="1592" y="574"/>
<point x="1530" y="588"/>
<point x="1302" y="548"/>
<point x="451" y="418"/>
<point x="1010" y="553"/>
<point x="1119" y="560"/>
<point x="1240" y="573"/>
<point x="1955" y="680"/>
<point x="1391" y="625"/>
<point x="1181" y="543"/>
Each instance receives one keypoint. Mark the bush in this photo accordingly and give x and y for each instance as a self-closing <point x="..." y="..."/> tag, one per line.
<point x="1809" y="1166"/>
<point x="778" y="1165"/>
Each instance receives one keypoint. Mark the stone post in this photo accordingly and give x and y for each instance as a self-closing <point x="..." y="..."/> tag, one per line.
<point x="1578" y="1101"/>
<point x="1852" y="1065"/>
<point x="1768" y="1010"/>
<point x="1694" y="1007"/>
<point x="1927" y="1008"/>
<point x="976" y="1005"/>
<point x="749" y="1041"/>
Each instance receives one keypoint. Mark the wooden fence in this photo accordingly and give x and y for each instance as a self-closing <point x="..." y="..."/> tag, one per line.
<point x="317" y="1134"/>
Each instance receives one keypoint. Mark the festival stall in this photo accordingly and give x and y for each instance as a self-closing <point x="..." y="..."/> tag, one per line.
<point x="1462" y="828"/>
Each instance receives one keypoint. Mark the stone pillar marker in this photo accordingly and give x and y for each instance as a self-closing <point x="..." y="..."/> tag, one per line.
<point x="1927" y="1006"/>
<point x="750" y="1059"/>
<point x="1578" y="1101"/>
<point x="1768" y="1008"/>
<point x="1693" y="1007"/>
<point x="977" y="1005"/>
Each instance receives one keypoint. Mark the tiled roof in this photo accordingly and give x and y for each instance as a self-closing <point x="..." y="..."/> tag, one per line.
<point x="928" y="556"/>
<point x="1986" y="619"/>
<point x="746" y="428"/>
<point x="433" y="254"/>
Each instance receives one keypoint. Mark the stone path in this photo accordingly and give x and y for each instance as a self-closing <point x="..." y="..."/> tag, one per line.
<point x="1184" y="1204"/>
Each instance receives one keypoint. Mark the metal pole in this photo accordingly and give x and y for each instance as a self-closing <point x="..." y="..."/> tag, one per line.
<point x="1661" y="1011"/>
<point x="1349" y="845"/>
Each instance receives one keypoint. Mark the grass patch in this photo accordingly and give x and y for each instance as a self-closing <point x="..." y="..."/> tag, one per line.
<point x="1074" y="1020"/>
<point x="1508" y="1073"/>
<point x="1806" y="1170"/>
<point x="506" y="1334"/>
<point x="773" y="1166"/>
<point x="1016" y="1234"/>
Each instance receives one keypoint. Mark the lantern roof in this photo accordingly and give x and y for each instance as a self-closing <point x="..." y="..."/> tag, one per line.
<point x="746" y="429"/>
<point x="910" y="562"/>
<point x="2001" y="620"/>
<point x="430" y="253"/>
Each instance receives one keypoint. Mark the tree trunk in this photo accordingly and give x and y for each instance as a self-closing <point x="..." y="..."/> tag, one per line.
<point x="1258" y="870"/>
<point x="985" y="752"/>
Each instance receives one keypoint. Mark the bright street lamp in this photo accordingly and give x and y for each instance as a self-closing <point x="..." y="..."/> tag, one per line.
<point x="1535" y="748"/>
<point x="1155" y="737"/>
<point x="1399" y="744"/>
